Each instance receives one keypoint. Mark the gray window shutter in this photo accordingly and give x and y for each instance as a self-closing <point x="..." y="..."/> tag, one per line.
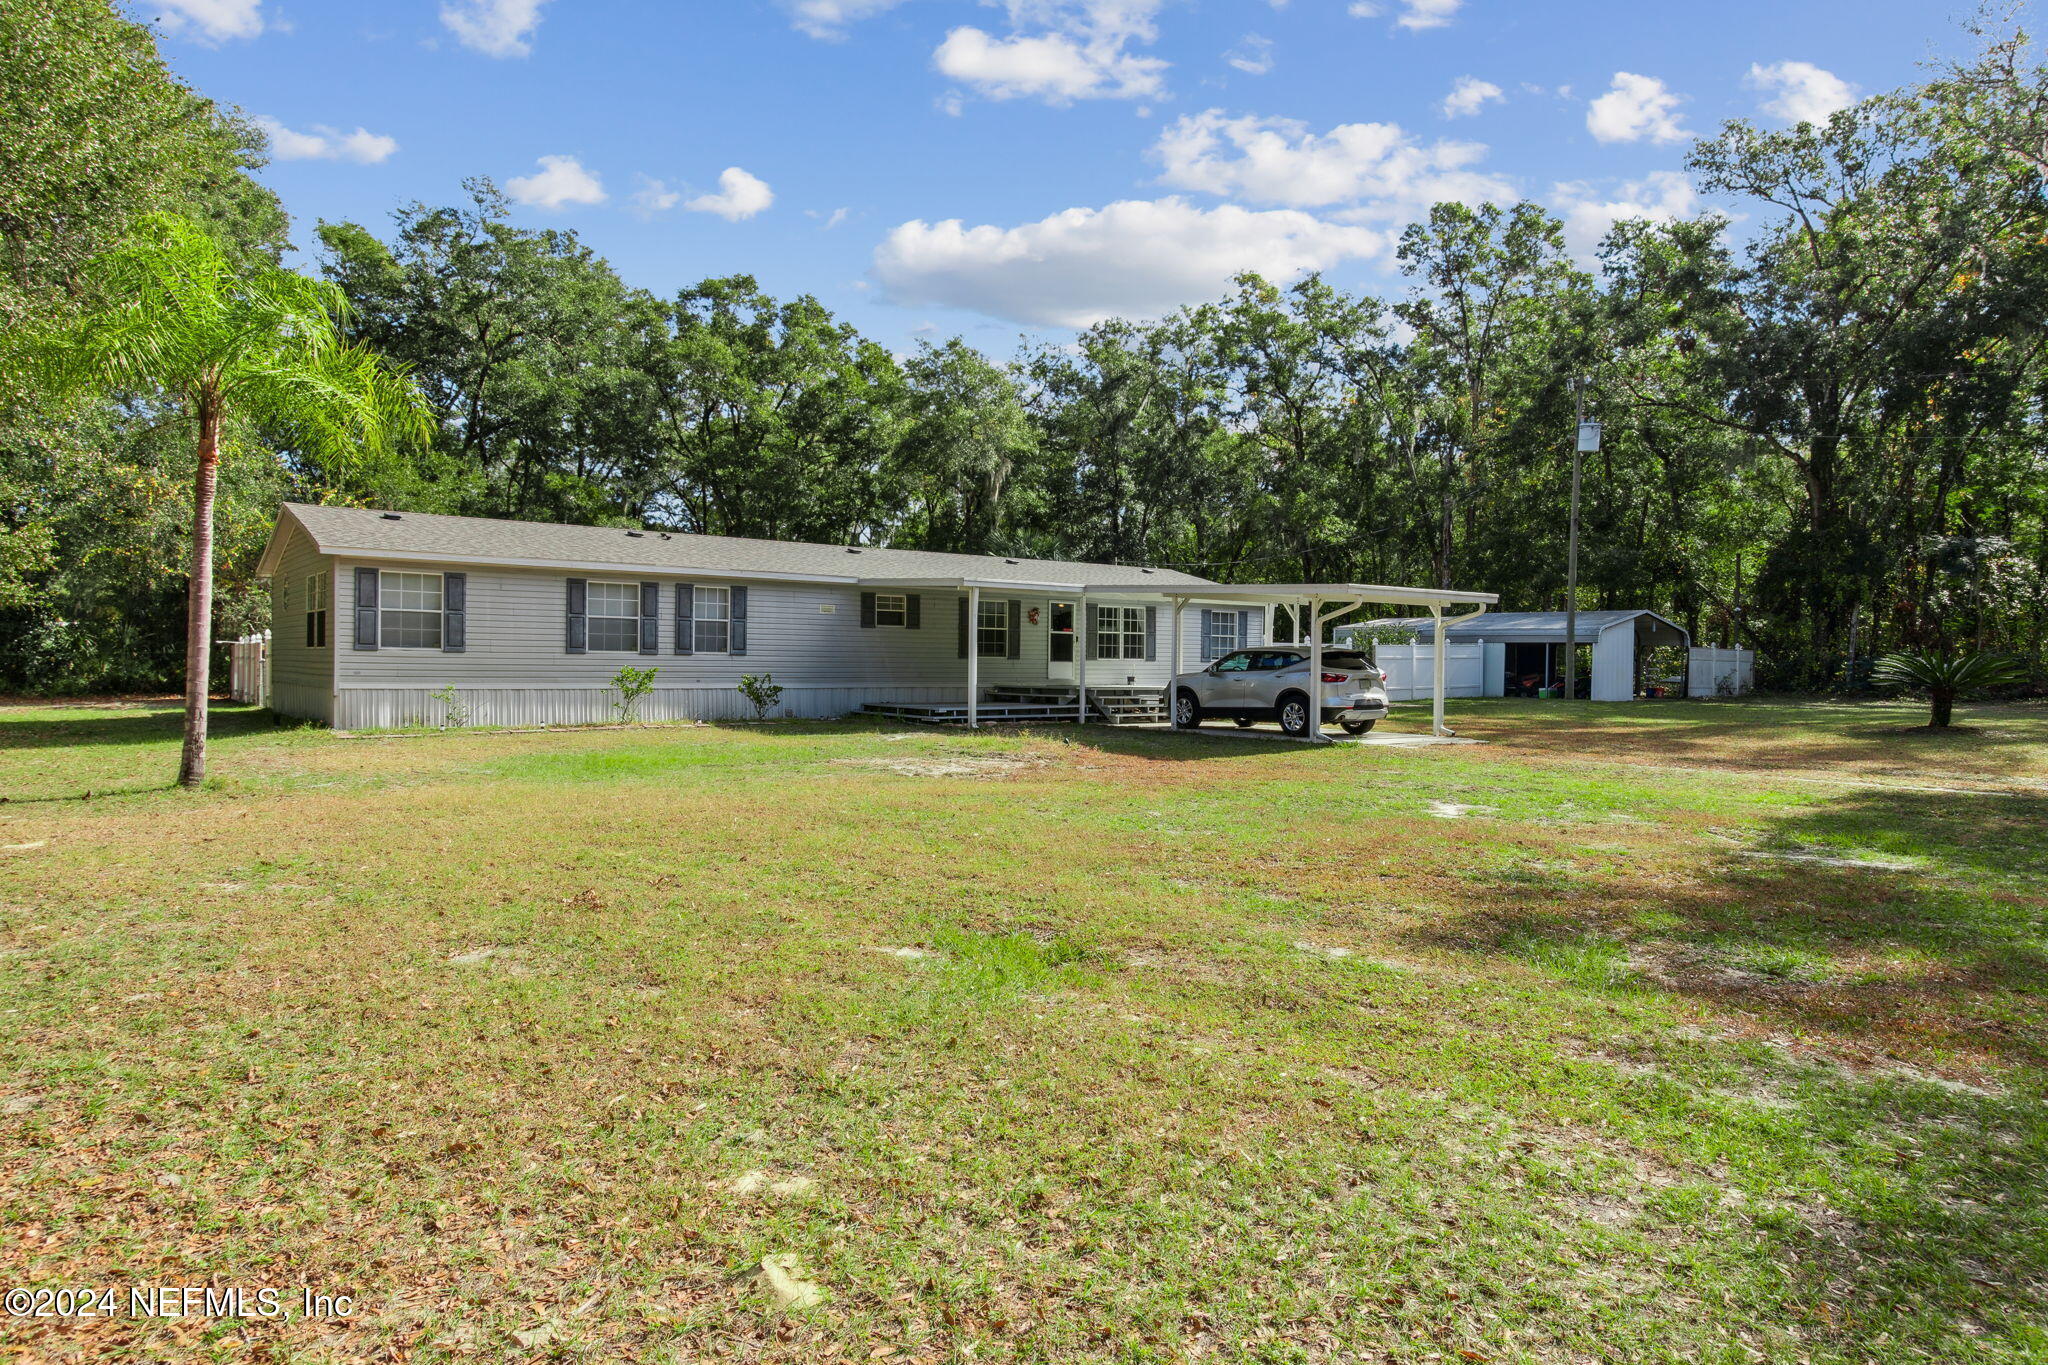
<point x="867" y="611"/>
<point x="737" y="642"/>
<point x="1016" y="631"/>
<point x="579" y="597"/>
<point x="650" y="618"/>
<point x="454" y="612"/>
<point x="913" y="612"/>
<point x="1244" y="629"/>
<point x="963" y="625"/>
<point x="1151" y="634"/>
<point x="366" y="608"/>
<point x="686" y="618"/>
<point x="1092" y="628"/>
<point x="1208" y="636"/>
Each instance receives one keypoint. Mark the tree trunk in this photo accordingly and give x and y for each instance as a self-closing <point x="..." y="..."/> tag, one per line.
<point x="1944" y="708"/>
<point x="199" y="600"/>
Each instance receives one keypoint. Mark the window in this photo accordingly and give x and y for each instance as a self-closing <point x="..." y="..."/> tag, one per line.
<point x="1120" y="632"/>
<point x="1222" y="632"/>
<point x="713" y="616"/>
<point x="992" y="629"/>
<point x="1240" y="662"/>
<point x="613" y="610"/>
<point x="409" y="608"/>
<point x="316" y="611"/>
<point x="892" y="609"/>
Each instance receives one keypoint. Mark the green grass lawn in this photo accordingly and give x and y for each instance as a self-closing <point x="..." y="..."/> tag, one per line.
<point x="1669" y="1032"/>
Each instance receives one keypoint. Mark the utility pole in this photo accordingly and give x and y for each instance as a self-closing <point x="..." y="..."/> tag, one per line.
<point x="1586" y="437"/>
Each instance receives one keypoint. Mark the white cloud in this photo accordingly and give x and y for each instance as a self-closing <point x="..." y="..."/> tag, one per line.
<point x="1134" y="258"/>
<point x="1253" y="55"/>
<point x="496" y="28"/>
<point x="212" y="21"/>
<point x="1469" y="95"/>
<point x="560" y="180"/>
<point x="740" y="195"/>
<point x="327" y="144"/>
<point x="1800" y="91"/>
<point x="1377" y="167"/>
<point x="1052" y="67"/>
<point x="829" y="19"/>
<point x="1659" y="197"/>
<point x="1059" y="51"/>
<point x="1414" y="14"/>
<point x="654" y="196"/>
<point x="1634" y="108"/>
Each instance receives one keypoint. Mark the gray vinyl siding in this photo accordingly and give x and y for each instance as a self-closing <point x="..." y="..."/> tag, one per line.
<point x="516" y="669"/>
<point x="301" y="679"/>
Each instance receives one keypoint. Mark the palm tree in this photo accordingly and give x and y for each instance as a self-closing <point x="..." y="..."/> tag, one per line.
<point x="171" y="316"/>
<point x="1944" y="677"/>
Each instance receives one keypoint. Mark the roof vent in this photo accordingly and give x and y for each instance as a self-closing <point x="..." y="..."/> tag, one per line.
<point x="1009" y="561"/>
<point x="392" y="516"/>
<point x="853" y="549"/>
<point x="1144" y="571"/>
<point x="663" y="534"/>
<point x="636" y="534"/>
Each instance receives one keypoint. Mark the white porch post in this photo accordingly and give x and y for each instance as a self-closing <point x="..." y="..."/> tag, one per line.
<point x="973" y="658"/>
<point x="1315" y="668"/>
<point x="1180" y="606"/>
<point x="1081" y="637"/>
<point x="1436" y="612"/>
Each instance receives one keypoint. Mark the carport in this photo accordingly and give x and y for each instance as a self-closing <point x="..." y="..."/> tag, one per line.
<point x="1318" y="604"/>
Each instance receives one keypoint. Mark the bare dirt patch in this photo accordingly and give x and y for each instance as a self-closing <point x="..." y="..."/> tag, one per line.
<point x="949" y="765"/>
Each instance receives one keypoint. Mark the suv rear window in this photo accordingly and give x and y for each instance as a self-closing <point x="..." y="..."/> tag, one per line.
<point x="1345" y="658"/>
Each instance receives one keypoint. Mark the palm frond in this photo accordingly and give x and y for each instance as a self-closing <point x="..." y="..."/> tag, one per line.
<point x="1952" y="674"/>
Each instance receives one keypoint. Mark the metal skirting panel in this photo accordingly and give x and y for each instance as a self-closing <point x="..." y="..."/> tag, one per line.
<point x="301" y="700"/>
<point x="389" y="708"/>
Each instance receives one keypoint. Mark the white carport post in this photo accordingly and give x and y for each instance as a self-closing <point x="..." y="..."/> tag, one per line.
<point x="1315" y="668"/>
<point x="973" y="658"/>
<point x="1081" y="638"/>
<point x="1436" y="657"/>
<point x="1179" y="607"/>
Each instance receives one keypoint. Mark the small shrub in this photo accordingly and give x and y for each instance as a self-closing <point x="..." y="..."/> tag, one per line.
<point x="631" y="684"/>
<point x="763" y="692"/>
<point x="454" y="711"/>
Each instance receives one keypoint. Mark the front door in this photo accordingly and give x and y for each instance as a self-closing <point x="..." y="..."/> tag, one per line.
<point x="1059" y="642"/>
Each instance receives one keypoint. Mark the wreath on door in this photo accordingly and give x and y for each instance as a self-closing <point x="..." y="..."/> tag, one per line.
<point x="1034" y="616"/>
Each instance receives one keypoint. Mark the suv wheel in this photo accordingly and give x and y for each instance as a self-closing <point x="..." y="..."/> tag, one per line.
<point x="1242" y="722"/>
<point x="1294" y="714"/>
<point x="1187" y="712"/>
<point x="1358" y="727"/>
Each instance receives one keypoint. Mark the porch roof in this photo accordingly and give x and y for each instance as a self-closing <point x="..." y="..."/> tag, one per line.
<point x="1245" y="593"/>
<point x="1343" y="592"/>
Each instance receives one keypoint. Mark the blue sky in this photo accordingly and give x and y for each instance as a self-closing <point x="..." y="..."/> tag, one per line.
<point x="927" y="167"/>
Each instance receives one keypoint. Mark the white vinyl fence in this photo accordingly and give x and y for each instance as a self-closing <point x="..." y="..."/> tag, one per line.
<point x="1721" y="672"/>
<point x="249" y="670"/>
<point x="1411" y="670"/>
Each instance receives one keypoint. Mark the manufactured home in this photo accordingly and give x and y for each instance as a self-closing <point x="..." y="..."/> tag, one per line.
<point x="374" y="612"/>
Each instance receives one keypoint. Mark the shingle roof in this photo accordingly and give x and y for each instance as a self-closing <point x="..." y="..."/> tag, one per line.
<point x="370" y="532"/>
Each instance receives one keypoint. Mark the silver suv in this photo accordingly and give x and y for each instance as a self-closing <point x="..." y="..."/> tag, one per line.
<point x="1251" y="685"/>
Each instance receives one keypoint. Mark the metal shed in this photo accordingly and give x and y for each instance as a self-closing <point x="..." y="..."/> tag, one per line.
<point x="1531" y="643"/>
